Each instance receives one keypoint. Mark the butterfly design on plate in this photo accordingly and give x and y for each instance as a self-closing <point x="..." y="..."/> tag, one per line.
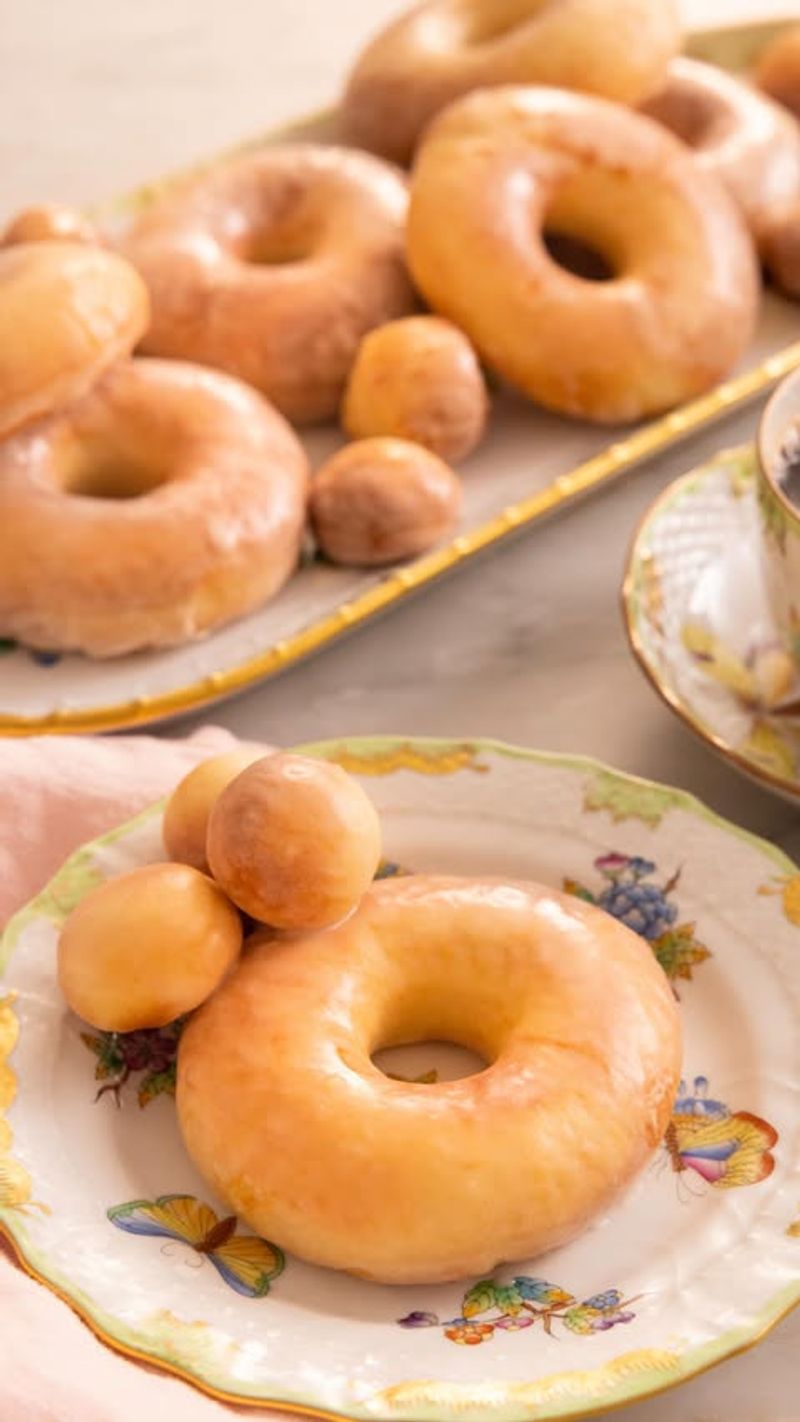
<point x="246" y="1263"/>
<point x="725" y="1148"/>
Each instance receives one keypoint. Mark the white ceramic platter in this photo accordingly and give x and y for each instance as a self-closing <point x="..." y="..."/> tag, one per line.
<point x="698" y="1262"/>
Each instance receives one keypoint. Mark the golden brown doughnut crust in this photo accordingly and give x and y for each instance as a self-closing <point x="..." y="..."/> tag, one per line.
<point x="499" y="164"/>
<point x="442" y="49"/>
<point x="161" y="505"/>
<point x="67" y="312"/>
<point x="274" y="266"/>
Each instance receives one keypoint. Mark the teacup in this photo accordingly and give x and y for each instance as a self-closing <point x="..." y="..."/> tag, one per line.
<point x="778" y="485"/>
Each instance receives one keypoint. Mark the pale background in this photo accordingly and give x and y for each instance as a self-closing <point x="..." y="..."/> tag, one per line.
<point x="98" y="95"/>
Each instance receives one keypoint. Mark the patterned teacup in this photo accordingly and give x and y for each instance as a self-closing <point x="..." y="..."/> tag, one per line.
<point x="778" y="475"/>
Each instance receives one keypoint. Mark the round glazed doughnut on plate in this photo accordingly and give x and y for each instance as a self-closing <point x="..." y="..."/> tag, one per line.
<point x="695" y="1263"/>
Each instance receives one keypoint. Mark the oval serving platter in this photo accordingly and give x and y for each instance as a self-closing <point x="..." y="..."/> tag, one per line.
<point x="532" y="464"/>
<point x="101" y="1203"/>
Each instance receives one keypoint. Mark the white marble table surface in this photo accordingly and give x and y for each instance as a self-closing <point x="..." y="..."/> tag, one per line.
<point x="96" y="95"/>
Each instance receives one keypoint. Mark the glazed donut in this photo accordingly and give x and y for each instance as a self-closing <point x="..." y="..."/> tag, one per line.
<point x="48" y="222"/>
<point x="442" y="49"/>
<point x="274" y="266"/>
<point x="301" y="1135"/>
<point x="379" y="500"/>
<point x="166" y="502"/>
<point x="67" y="312"/>
<point x="778" y="69"/>
<point x="502" y="169"/>
<point x="750" y="143"/>
<point x="418" y="379"/>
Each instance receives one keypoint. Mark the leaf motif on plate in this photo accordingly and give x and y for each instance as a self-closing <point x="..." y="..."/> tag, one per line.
<point x="479" y="1298"/>
<point x="625" y="799"/>
<point x="152" y="1051"/>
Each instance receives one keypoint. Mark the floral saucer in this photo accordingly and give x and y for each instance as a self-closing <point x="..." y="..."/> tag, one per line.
<point x="699" y="621"/>
<point x="699" y="1261"/>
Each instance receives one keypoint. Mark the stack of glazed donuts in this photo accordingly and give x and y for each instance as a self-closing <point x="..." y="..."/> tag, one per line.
<point x="584" y="217"/>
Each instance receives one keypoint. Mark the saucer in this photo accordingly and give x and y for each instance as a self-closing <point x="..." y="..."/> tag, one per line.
<point x="699" y="621"/>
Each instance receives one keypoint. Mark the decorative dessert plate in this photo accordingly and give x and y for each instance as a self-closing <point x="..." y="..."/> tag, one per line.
<point x="531" y="465"/>
<point x="698" y="1262"/>
<point x="699" y="620"/>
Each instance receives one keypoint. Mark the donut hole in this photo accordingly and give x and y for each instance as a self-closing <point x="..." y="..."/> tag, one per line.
<point x="99" y="473"/>
<point x="426" y="1063"/>
<point x="579" y="258"/>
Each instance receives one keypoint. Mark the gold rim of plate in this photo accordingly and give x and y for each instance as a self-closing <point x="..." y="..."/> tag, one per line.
<point x="732" y="47"/>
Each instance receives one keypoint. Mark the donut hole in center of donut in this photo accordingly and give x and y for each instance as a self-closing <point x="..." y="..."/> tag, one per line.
<point x="278" y="246"/>
<point x="97" y="473"/>
<point x="579" y="258"/>
<point x="426" y="1063"/>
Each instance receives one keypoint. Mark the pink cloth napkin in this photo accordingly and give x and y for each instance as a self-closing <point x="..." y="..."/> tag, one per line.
<point x="56" y="793"/>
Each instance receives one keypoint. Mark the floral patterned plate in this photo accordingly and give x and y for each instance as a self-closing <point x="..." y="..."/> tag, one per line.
<point x="700" y="625"/>
<point x="703" y="1256"/>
